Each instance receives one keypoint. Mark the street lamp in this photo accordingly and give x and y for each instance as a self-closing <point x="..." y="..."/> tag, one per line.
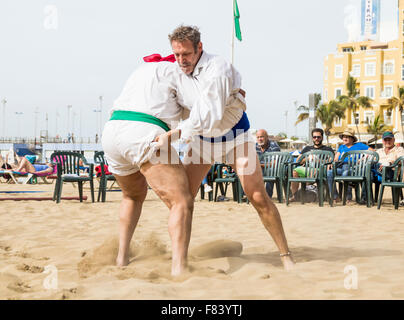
<point x="68" y="118"/>
<point x="35" y="121"/>
<point x="56" y="123"/>
<point x="100" y="97"/>
<point x="4" y="101"/>
<point x="96" y="124"/>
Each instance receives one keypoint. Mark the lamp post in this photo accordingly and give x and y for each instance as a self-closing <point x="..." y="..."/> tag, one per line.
<point x="56" y="124"/>
<point x="100" y="97"/>
<point x="35" y="122"/>
<point x="68" y="118"/>
<point x="4" y="101"/>
<point x="73" y="121"/>
<point x="97" y="123"/>
<point x="47" y="134"/>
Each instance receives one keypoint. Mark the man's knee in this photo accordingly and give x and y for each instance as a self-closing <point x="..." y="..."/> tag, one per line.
<point x="185" y="203"/>
<point x="138" y="196"/>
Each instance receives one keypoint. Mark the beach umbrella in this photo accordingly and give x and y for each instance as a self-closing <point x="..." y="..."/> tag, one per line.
<point x="299" y="142"/>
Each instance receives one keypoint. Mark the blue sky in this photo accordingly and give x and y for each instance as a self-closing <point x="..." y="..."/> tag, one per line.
<point x="56" y="53"/>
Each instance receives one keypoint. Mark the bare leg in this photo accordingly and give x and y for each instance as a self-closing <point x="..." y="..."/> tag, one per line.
<point x="196" y="173"/>
<point x="134" y="190"/>
<point x="294" y="186"/>
<point x="170" y="183"/>
<point x="253" y="186"/>
<point x="25" y="166"/>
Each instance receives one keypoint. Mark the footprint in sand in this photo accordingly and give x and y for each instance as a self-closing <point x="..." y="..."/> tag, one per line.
<point x="31" y="269"/>
<point x="5" y="248"/>
<point x="19" y="286"/>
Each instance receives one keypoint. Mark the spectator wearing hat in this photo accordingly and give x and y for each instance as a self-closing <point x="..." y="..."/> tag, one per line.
<point x="388" y="154"/>
<point x="350" y="143"/>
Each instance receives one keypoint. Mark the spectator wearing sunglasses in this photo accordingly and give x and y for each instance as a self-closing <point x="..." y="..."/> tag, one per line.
<point x="317" y="135"/>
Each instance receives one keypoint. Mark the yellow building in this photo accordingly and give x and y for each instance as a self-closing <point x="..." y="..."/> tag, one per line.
<point x="378" y="69"/>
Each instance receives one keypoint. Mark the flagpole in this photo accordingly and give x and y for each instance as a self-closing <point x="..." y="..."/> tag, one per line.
<point x="232" y="36"/>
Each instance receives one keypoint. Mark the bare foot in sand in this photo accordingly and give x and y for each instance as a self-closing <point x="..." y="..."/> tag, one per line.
<point x="122" y="261"/>
<point x="179" y="269"/>
<point x="288" y="263"/>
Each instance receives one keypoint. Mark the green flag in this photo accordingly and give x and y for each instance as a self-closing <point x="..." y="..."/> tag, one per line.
<point x="236" y="20"/>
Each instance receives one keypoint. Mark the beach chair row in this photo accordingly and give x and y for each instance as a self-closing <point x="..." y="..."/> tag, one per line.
<point x="316" y="168"/>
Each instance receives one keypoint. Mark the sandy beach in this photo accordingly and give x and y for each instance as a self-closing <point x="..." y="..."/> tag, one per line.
<point x="231" y="254"/>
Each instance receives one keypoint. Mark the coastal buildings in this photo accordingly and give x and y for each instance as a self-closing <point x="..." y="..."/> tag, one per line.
<point x="377" y="67"/>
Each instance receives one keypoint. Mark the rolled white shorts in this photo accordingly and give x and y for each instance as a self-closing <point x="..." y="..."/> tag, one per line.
<point x="129" y="144"/>
<point x="220" y="152"/>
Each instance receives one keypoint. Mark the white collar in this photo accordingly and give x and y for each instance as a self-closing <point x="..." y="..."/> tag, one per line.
<point x="203" y="60"/>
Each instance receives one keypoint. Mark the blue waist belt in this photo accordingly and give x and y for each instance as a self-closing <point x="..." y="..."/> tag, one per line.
<point x="242" y="126"/>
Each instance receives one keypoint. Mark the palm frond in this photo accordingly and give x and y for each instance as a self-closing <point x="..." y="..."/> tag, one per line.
<point x="301" y="117"/>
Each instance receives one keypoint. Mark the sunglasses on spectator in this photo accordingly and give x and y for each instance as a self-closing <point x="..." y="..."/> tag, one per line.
<point x="317" y="137"/>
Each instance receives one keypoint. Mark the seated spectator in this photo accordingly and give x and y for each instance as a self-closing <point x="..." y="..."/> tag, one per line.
<point x="82" y="167"/>
<point x="265" y="145"/>
<point x="317" y="135"/>
<point x="349" y="144"/>
<point x="206" y="187"/>
<point x="26" y="166"/>
<point x="387" y="155"/>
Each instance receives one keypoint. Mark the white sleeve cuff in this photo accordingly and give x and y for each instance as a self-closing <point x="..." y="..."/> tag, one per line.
<point x="187" y="132"/>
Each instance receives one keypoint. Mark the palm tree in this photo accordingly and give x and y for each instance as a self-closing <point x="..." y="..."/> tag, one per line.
<point x="399" y="102"/>
<point x="353" y="101"/>
<point x="328" y="113"/>
<point x="304" y="110"/>
<point x="377" y="127"/>
<point x="283" y="135"/>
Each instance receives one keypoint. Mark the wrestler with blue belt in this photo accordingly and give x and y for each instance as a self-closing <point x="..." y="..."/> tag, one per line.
<point x="217" y="127"/>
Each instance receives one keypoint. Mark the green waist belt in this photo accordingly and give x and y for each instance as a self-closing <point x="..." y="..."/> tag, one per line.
<point x="138" y="116"/>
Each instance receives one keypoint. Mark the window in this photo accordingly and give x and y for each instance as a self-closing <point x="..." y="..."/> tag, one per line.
<point x="325" y="94"/>
<point x="355" y="118"/>
<point x="356" y="70"/>
<point x="388" y="67"/>
<point x="349" y="49"/>
<point x="363" y="48"/>
<point x="387" y="117"/>
<point x="370" y="69"/>
<point x="338" y="122"/>
<point x="326" y="73"/>
<point x="369" y="117"/>
<point x="338" y="92"/>
<point x="387" y="92"/>
<point x="402" y="72"/>
<point x="338" y="71"/>
<point x="370" y="92"/>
